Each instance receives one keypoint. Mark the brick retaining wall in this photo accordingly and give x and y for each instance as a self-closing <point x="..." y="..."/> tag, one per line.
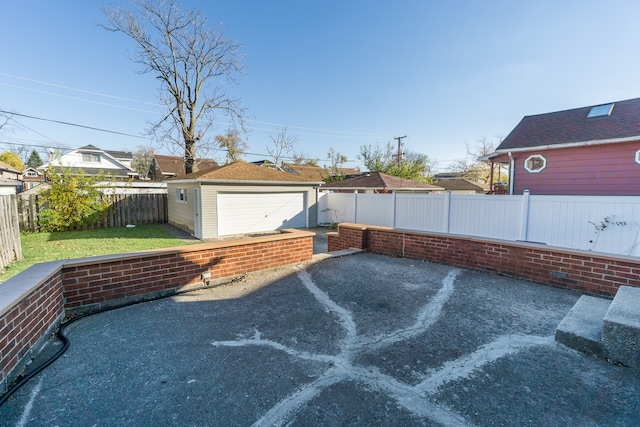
<point x="33" y="303"/>
<point x="589" y="272"/>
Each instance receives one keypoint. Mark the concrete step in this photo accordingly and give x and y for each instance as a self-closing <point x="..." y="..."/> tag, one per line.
<point x="621" y="329"/>
<point x="581" y="329"/>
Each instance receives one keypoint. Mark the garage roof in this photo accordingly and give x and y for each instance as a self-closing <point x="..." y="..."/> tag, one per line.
<point x="246" y="172"/>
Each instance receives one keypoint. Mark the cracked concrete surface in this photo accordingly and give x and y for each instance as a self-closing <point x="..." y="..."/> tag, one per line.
<point x="359" y="340"/>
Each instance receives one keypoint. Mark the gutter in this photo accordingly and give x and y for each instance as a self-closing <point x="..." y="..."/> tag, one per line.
<point x="572" y="144"/>
<point x="512" y="173"/>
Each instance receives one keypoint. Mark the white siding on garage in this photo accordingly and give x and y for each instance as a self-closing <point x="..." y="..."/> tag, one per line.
<point x="240" y="213"/>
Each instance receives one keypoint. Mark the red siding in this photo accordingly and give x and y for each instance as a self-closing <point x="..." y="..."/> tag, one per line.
<point x="608" y="169"/>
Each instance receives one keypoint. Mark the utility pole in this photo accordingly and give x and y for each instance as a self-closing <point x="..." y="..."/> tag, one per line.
<point x="399" y="139"/>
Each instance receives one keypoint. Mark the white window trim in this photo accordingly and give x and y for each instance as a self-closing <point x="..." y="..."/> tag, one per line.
<point x="638" y="157"/>
<point x="181" y="195"/>
<point x="544" y="163"/>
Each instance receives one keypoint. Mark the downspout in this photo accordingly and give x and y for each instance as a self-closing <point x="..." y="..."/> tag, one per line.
<point x="512" y="173"/>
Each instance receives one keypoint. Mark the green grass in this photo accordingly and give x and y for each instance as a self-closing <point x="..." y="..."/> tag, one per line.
<point x="42" y="247"/>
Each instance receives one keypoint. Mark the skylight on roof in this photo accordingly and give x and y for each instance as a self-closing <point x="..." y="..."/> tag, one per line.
<point x="600" y="110"/>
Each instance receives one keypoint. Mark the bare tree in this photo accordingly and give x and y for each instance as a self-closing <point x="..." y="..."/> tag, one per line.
<point x="142" y="160"/>
<point x="4" y="119"/>
<point x="282" y="144"/>
<point x="302" y="159"/>
<point x="337" y="160"/>
<point x="472" y="167"/>
<point x="193" y="64"/>
<point x="233" y="144"/>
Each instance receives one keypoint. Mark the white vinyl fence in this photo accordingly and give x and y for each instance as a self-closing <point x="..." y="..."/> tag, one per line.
<point x="609" y="224"/>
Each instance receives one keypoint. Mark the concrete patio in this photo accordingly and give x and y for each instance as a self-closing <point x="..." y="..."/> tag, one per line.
<point x="358" y="340"/>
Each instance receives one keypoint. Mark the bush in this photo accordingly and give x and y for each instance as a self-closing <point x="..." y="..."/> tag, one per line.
<point x="72" y="199"/>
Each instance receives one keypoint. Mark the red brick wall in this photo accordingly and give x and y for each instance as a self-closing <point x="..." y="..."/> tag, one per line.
<point x="25" y="323"/>
<point x="89" y="285"/>
<point x="349" y="236"/>
<point x="584" y="271"/>
<point x="92" y="283"/>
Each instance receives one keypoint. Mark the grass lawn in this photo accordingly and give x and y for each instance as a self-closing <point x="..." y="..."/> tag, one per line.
<point x="41" y="247"/>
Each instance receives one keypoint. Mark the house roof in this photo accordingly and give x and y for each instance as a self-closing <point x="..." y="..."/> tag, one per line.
<point x="121" y="155"/>
<point x="6" y="167"/>
<point x="312" y="172"/>
<point x="380" y="181"/>
<point x="248" y="172"/>
<point x="174" y="165"/>
<point x="459" y="184"/>
<point x="573" y="127"/>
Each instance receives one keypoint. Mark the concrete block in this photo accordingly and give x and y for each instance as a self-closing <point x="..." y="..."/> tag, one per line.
<point x="621" y="330"/>
<point x="581" y="329"/>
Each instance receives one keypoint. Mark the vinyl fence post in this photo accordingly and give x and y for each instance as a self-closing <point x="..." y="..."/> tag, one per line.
<point x="355" y="207"/>
<point x="395" y="207"/>
<point x="524" y="222"/>
<point x="447" y="210"/>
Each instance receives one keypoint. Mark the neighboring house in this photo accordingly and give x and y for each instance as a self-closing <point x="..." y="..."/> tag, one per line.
<point x="459" y="185"/>
<point x="448" y="175"/>
<point x="10" y="176"/>
<point x="31" y="178"/>
<point x="92" y="160"/>
<point x="164" y="167"/>
<point x="591" y="150"/>
<point x="377" y="182"/>
<point x="241" y="198"/>
<point x="9" y="172"/>
<point x="7" y="186"/>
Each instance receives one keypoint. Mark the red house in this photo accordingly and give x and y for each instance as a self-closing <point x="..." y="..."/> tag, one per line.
<point x="585" y="151"/>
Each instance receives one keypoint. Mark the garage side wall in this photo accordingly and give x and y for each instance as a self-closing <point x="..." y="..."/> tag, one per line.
<point x="209" y="211"/>
<point x="181" y="212"/>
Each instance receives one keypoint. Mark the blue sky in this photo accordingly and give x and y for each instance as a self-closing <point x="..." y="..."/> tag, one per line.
<point x="338" y="74"/>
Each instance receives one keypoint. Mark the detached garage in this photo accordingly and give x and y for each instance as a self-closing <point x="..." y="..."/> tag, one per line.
<point x="241" y="198"/>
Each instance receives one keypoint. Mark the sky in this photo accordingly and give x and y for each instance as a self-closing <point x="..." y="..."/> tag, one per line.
<point x="338" y="74"/>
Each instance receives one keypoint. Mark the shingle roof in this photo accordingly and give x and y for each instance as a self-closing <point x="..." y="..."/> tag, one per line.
<point x="380" y="181"/>
<point x="459" y="184"/>
<point x="307" y="171"/>
<point x="9" y="168"/>
<point x="242" y="171"/>
<point x="573" y="126"/>
<point x="174" y="165"/>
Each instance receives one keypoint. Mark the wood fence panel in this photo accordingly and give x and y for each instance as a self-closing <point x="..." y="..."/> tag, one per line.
<point x="10" y="246"/>
<point x="124" y="209"/>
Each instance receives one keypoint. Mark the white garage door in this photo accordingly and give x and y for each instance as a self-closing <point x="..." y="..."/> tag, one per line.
<point x="240" y="213"/>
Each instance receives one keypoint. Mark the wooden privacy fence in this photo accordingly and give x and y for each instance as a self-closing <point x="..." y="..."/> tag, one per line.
<point x="10" y="247"/>
<point x="124" y="209"/>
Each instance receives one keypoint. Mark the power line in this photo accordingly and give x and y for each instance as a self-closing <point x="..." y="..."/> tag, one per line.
<point x="339" y="134"/>
<point x="75" y="125"/>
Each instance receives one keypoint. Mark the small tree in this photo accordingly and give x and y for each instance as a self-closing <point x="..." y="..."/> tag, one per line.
<point x="12" y="159"/>
<point x="34" y="160"/>
<point x="71" y="199"/>
<point x="234" y="145"/>
<point x="337" y="160"/>
<point x="142" y="160"/>
<point x="414" y="166"/>
<point x="282" y="145"/>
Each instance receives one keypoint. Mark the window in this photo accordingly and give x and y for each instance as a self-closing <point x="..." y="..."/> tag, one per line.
<point x="535" y="163"/>
<point x="91" y="158"/>
<point x="638" y="156"/>
<point x="181" y="195"/>
<point x="600" y="110"/>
